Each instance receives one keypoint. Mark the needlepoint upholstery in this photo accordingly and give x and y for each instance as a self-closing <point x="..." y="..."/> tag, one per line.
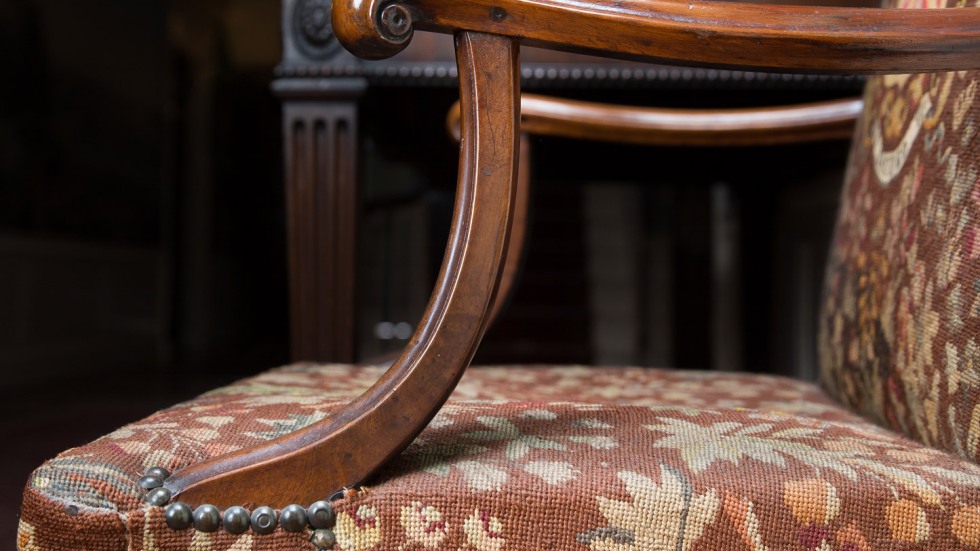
<point x="546" y="458"/>
<point x="530" y="458"/>
<point x="900" y="330"/>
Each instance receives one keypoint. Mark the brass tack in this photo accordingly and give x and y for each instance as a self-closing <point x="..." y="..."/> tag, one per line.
<point x="158" y="497"/>
<point x="236" y="520"/>
<point x="264" y="520"/>
<point x="207" y="518"/>
<point x="158" y="472"/>
<point x="293" y="518"/>
<point x="321" y="515"/>
<point x="323" y="539"/>
<point x="179" y="516"/>
<point x="149" y="482"/>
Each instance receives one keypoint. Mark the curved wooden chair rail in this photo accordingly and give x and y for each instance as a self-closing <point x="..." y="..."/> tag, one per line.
<point x="567" y="118"/>
<point x="737" y="35"/>
<point x="564" y="118"/>
<point x="344" y="449"/>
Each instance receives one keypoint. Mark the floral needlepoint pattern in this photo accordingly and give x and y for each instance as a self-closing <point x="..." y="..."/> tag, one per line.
<point x="814" y="504"/>
<point x="552" y="472"/>
<point x="358" y="531"/>
<point x="898" y="331"/>
<point x="745" y="521"/>
<point x="785" y="469"/>
<point x="849" y="538"/>
<point x="279" y="427"/>
<point x="907" y="521"/>
<point x="518" y="444"/>
<point x="813" y="501"/>
<point x="484" y="532"/>
<point x="423" y="525"/>
<point x="25" y="537"/>
<point x="966" y="526"/>
<point x="663" y="516"/>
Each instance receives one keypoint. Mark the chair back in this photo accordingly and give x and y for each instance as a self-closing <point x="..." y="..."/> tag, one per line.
<point x="900" y="324"/>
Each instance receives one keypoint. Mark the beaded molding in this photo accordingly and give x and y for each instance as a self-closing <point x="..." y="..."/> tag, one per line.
<point x="320" y="516"/>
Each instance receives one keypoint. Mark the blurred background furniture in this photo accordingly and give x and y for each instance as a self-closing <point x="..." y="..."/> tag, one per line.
<point x="698" y="242"/>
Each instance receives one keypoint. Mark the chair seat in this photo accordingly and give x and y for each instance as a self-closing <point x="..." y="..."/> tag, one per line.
<point x="545" y="457"/>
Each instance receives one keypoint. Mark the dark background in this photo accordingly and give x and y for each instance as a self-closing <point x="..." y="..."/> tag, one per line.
<point x="142" y="248"/>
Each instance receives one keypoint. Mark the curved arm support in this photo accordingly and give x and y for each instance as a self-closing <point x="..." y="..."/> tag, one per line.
<point x="519" y="226"/>
<point x="706" y="32"/>
<point x="516" y="246"/>
<point x="564" y="118"/>
<point x="800" y="123"/>
<point x="342" y="450"/>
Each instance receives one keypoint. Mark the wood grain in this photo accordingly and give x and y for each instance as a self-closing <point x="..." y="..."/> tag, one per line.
<point x="807" y="122"/>
<point x="321" y="227"/>
<point x="344" y="449"/>
<point x="829" y="40"/>
<point x="690" y="127"/>
<point x="516" y="244"/>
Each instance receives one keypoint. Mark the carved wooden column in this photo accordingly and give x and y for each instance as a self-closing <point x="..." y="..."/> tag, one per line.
<point x="320" y="141"/>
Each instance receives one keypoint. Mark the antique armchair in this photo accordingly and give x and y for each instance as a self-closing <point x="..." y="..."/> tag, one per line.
<point x="548" y="457"/>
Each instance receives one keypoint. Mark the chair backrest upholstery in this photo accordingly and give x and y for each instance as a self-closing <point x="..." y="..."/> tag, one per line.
<point x="900" y="324"/>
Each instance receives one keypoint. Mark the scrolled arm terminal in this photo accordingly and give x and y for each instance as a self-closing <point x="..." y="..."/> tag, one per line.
<point x="373" y="29"/>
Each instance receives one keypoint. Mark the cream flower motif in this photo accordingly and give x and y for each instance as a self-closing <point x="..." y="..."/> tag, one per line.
<point x="552" y="472"/>
<point x="518" y="443"/>
<point x="700" y="446"/>
<point x="292" y="422"/>
<point x="423" y="525"/>
<point x="244" y="543"/>
<point x="360" y="531"/>
<point x="484" y="532"/>
<point x="665" y="516"/>
<point x="167" y="440"/>
<point x="591" y="423"/>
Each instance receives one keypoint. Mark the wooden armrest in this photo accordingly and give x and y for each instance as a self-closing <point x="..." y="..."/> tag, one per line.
<point x="683" y="127"/>
<point x="737" y="35"/>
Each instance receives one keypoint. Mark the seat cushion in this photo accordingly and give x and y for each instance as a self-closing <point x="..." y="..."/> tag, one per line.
<point x="546" y="458"/>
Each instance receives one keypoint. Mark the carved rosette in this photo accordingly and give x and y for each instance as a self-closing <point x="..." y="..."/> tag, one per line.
<point x="312" y="29"/>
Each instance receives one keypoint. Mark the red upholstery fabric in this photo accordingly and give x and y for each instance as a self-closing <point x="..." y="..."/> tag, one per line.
<point x="900" y="335"/>
<point x="547" y="458"/>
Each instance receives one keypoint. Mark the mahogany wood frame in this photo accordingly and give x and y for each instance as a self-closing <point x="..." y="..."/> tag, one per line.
<point x="565" y="118"/>
<point x="829" y="40"/>
<point x="310" y="464"/>
<point x="349" y="446"/>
